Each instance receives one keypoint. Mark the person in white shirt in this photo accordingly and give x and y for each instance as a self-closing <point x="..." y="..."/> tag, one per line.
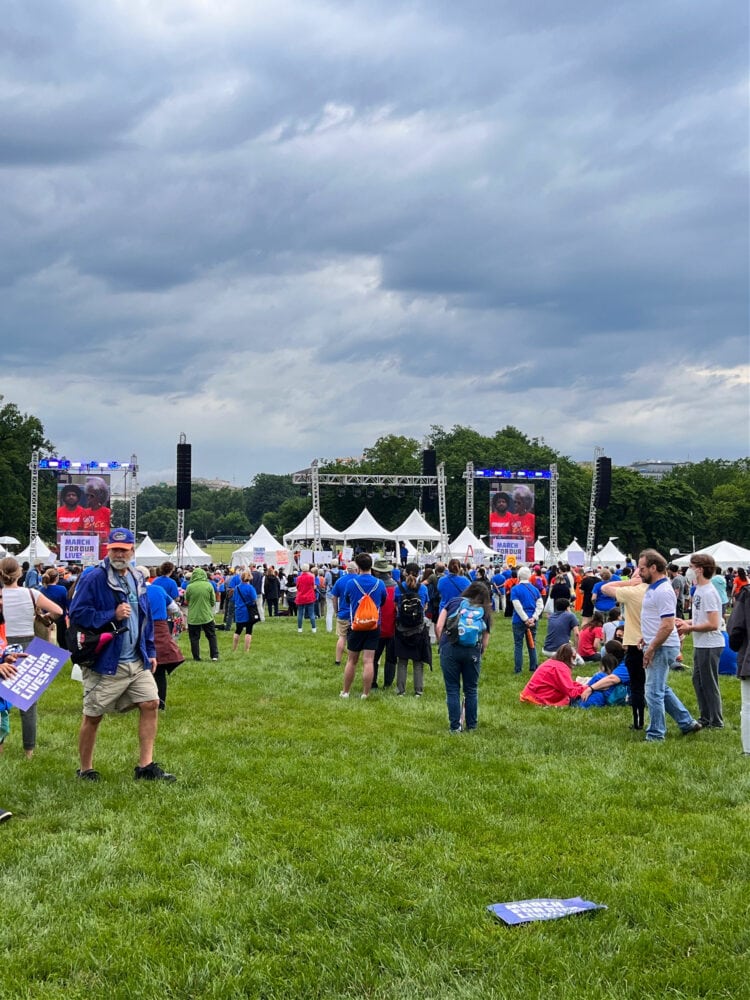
<point x="708" y="641"/>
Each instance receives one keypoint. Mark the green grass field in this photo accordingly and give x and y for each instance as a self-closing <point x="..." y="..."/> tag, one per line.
<point x="319" y="848"/>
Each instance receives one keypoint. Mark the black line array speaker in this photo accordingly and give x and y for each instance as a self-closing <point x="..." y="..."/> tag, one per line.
<point x="184" y="476"/>
<point x="603" y="482"/>
<point x="429" y="493"/>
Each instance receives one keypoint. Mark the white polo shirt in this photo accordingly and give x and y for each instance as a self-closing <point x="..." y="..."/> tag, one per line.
<point x="659" y="602"/>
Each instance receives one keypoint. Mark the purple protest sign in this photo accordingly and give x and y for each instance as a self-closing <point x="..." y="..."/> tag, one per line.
<point x="35" y="673"/>
<point x="526" y="910"/>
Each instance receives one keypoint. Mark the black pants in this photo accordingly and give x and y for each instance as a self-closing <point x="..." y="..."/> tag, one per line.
<point x="209" y="629"/>
<point x="634" y="663"/>
<point x="272" y="603"/>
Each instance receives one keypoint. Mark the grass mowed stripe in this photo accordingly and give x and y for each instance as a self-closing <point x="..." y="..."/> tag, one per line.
<point x="314" y="847"/>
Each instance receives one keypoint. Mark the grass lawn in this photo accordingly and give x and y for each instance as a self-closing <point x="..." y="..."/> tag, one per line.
<point x="320" y="848"/>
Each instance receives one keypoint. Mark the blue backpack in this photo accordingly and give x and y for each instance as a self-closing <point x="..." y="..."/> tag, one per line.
<point x="466" y="625"/>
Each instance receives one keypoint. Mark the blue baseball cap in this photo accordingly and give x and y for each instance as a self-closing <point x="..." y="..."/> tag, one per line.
<point x="120" y="536"/>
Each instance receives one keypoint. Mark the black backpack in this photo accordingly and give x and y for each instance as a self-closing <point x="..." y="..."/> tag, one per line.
<point x="410" y="616"/>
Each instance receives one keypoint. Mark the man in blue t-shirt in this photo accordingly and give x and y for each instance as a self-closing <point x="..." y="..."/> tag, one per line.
<point x="365" y="642"/>
<point x="527" y="607"/>
<point x="341" y="609"/>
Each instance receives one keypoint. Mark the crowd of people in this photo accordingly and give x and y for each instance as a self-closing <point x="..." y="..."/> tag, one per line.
<point x="625" y="625"/>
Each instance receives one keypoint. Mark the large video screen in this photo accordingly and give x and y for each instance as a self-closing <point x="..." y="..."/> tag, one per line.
<point x="512" y="516"/>
<point x="84" y="517"/>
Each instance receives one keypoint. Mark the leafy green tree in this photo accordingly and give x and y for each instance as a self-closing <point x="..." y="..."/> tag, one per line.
<point x="266" y="494"/>
<point x="233" y="523"/>
<point x="20" y="435"/>
<point x="288" y="516"/>
<point x="160" y="523"/>
<point x="728" y="512"/>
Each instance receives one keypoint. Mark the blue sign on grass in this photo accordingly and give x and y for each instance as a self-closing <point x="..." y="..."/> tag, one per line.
<point x="524" y="911"/>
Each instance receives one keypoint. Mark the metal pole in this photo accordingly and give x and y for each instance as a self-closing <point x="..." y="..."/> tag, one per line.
<point x="442" y="510"/>
<point x="133" y="491"/>
<point x="598" y="452"/>
<point x="554" y="548"/>
<point x="33" y="507"/>
<point x="315" y="484"/>
<point x="470" y="496"/>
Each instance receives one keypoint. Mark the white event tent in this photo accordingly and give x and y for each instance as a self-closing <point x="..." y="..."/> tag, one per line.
<point x="305" y="531"/>
<point x="609" y="555"/>
<point x="725" y="554"/>
<point x="541" y="555"/>
<point x="416" y="529"/>
<point x="192" y="553"/>
<point x="366" y="527"/>
<point x="148" y="553"/>
<point x="43" y="554"/>
<point x="261" y="539"/>
<point x="573" y="555"/>
<point x="465" y="545"/>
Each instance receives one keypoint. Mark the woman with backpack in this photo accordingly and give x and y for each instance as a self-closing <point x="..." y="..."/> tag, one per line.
<point x="412" y="637"/>
<point x="463" y="630"/>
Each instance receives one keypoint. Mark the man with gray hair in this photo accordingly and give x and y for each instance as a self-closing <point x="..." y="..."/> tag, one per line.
<point x="527" y="608"/>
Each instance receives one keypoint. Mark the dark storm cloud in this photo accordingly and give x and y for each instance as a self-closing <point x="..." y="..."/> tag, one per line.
<point x="485" y="195"/>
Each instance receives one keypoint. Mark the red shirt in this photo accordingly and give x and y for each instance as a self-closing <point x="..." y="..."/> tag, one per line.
<point x="305" y="589"/>
<point x="586" y="639"/>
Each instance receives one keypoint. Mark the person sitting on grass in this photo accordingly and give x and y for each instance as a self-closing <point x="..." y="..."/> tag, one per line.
<point x="590" y="639"/>
<point x="552" y="682"/>
<point x="609" y="686"/>
<point x="562" y="628"/>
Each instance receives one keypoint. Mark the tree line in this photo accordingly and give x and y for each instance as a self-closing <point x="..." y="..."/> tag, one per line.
<point x="698" y="503"/>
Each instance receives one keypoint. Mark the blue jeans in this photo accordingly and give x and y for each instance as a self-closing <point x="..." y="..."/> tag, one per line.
<point x="520" y="635"/>
<point x="660" y="697"/>
<point x="461" y="663"/>
<point x="305" y="611"/>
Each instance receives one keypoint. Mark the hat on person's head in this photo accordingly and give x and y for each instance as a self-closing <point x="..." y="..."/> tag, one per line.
<point x="524" y="573"/>
<point x="120" y="536"/>
<point x="381" y="566"/>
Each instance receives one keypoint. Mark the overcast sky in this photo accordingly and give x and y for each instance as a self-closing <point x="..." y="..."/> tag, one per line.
<point x="286" y="229"/>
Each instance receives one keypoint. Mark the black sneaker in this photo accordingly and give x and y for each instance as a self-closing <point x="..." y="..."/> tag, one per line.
<point x="694" y="727"/>
<point x="153" y="772"/>
<point x="88" y="775"/>
<point x="5" y="814"/>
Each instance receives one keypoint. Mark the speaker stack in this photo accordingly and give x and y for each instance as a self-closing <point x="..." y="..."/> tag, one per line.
<point x="184" y="476"/>
<point x="603" y="482"/>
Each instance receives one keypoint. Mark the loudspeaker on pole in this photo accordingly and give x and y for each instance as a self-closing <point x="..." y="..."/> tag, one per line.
<point x="603" y="482"/>
<point x="184" y="476"/>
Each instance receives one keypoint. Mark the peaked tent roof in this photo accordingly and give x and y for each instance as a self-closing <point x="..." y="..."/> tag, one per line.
<point x="725" y="554"/>
<point x="43" y="553"/>
<point x="574" y="554"/>
<point x="305" y="529"/>
<point x="261" y="539"/>
<point x="609" y="555"/>
<point x="416" y="528"/>
<point x="365" y="526"/>
<point x="541" y="554"/>
<point x="148" y="553"/>
<point x="192" y="553"/>
<point x="462" y="543"/>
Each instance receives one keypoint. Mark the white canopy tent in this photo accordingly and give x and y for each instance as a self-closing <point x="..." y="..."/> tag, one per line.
<point x="305" y="531"/>
<point x="541" y="555"/>
<point x="573" y="555"/>
<point x="365" y="526"/>
<point x="43" y="554"/>
<point x="465" y="545"/>
<point x="261" y="539"/>
<point x="192" y="553"/>
<point x="609" y="555"/>
<point x="416" y="529"/>
<point x="148" y="553"/>
<point x="725" y="554"/>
